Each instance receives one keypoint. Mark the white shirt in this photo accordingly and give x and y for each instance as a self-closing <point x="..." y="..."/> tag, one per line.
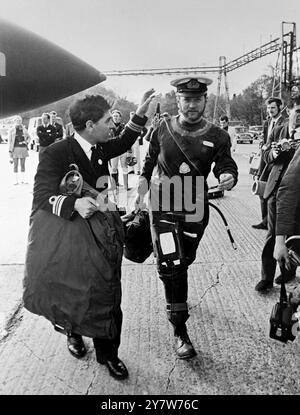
<point x="297" y="133"/>
<point x="84" y="144"/>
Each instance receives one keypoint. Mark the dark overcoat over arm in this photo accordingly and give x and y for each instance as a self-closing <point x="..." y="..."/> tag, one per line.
<point x="288" y="200"/>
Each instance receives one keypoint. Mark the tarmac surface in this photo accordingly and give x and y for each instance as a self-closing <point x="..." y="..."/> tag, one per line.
<point x="228" y="324"/>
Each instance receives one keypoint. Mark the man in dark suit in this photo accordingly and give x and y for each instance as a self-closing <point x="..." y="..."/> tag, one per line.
<point x="46" y="133"/>
<point x="58" y="127"/>
<point x="278" y="160"/>
<point x="91" y="149"/>
<point x="275" y="119"/>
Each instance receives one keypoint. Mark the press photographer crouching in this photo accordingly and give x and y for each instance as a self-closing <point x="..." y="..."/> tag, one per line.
<point x="279" y="152"/>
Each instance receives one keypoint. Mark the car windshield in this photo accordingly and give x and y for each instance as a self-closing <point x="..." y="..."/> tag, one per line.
<point x="256" y="128"/>
<point x="240" y="129"/>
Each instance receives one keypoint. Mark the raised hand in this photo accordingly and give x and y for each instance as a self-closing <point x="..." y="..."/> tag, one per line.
<point x="145" y="102"/>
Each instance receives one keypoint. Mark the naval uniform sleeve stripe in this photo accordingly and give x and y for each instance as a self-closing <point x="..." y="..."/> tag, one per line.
<point x="54" y="209"/>
<point x="134" y="127"/>
<point x="57" y="202"/>
<point x="60" y="202"/>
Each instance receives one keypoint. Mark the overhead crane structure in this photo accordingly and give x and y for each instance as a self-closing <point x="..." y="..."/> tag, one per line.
<point x="286" y="73"/>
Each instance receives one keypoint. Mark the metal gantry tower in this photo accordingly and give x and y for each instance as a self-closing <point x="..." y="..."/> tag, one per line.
<point x="287" y="68"/>
<point x="222" y="74"/>
<point x="285" y="78"/>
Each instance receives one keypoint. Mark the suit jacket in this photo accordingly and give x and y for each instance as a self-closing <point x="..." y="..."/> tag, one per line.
<point x="46" y="135"/>
<point x="263" y="172"/>
<point x="288" y="199"/>
<point x="265" y="130"/>
<point x="279" y="164"/>
<point x="59" y="131"/>
<point x="56" y="159"/>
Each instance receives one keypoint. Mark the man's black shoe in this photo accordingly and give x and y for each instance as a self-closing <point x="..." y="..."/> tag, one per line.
<point x="116" y="367"/>
<point x="260" y="225"/>
<point x="183" y="346"/>
<point x="263" y="286"/>
<point x="76" y="346"/>
<point x="287" y="278"/>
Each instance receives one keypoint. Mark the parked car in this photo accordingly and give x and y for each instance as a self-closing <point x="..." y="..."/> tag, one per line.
<point x="4" y="135"/>
<point x="256" y="131"/>
<point x="242" y="135"/>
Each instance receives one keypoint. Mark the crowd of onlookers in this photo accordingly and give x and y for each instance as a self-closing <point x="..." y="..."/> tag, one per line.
<point x="50" y="129"/>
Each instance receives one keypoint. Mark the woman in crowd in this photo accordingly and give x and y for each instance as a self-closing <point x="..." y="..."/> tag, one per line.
<point x="18" y="149"/>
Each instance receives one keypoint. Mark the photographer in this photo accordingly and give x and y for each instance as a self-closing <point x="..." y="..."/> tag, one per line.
<point x="273" y="123"/>
<point x="279" y="152"/>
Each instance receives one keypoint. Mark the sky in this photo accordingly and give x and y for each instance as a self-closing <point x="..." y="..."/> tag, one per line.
<point x="143" y="34"/>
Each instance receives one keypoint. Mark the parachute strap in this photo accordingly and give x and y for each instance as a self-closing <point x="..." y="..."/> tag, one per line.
<point x="177" y="307"/>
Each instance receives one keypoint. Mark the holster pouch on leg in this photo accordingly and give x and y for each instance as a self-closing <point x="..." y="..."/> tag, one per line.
<point x="170" y="247"/>
<point x="177" y="313"/>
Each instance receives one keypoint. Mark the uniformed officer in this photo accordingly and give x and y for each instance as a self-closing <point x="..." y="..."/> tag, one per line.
<point x="182" y="150"/>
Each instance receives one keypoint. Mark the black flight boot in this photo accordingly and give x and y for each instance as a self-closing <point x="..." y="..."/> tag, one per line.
<point x="183" y="345"/>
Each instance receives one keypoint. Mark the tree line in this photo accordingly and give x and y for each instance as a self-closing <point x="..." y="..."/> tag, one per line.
<point x="247" y="108"/>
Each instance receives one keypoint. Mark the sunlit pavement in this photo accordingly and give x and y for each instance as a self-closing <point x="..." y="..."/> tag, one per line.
<point x="228" y="325"/>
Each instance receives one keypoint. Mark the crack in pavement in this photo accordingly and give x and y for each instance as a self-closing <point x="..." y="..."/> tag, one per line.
<point x="31" y="351"/>
<point x="69" y="386"/>
<point x="214" y="284"/>
<point x="169" y="375"/>
<point x="91" y="383"/>
<point x="13" y="322"/>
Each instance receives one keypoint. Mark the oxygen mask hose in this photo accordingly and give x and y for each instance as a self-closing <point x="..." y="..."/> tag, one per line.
<point x="226" y="225"/>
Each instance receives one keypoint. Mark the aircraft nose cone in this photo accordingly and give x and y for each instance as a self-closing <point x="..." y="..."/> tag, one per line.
<point x="35" y="72"/>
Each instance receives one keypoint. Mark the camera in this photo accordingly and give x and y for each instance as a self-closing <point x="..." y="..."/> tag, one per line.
<point x="284" y="319"/>
<point x="284" y="323"/>
<point x="283" y="145"/>
<point x="286" y="144"/>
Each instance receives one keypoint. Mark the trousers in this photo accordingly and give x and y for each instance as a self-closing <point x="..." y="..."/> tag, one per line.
<point x="108" y="349"/>
<point x="268" y="267"/>
<point x="175" y="244"/>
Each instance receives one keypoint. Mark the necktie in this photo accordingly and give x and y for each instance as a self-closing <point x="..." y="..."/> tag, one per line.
<point x="94" y="158"/>
<point x="271" y="126"/>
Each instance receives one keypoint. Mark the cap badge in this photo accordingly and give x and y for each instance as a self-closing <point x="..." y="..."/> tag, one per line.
<point x="193" y="84"/>
<point x="184" y="168"/>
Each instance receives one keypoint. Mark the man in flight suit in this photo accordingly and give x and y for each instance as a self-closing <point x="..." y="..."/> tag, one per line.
<point x="182" y="149"/>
